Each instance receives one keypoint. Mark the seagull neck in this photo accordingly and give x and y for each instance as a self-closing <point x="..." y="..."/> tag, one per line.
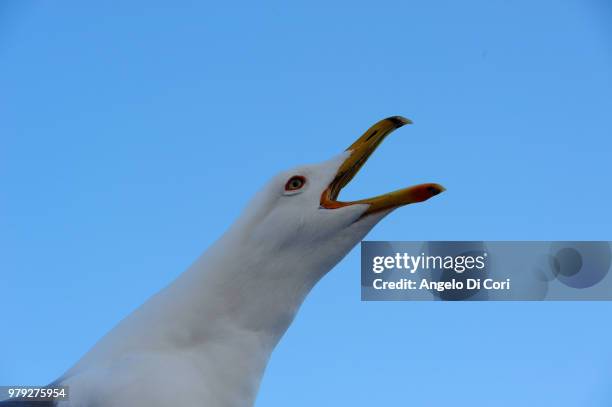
<point x="254" y="288"/>
<point x="229" y="310"/>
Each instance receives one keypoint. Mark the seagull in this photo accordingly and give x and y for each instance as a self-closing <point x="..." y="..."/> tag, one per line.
<point x="205" y="339"/>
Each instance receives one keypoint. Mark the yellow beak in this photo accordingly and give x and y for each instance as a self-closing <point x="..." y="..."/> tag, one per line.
<point x="361" y="150"/>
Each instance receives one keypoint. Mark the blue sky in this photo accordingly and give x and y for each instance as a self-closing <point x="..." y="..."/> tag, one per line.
<point x="133" y="133"/>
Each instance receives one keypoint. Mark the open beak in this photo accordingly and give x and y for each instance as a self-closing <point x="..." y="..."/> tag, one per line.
<point x="361" y="150"/>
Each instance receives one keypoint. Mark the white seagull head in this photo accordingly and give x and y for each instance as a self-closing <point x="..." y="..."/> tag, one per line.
<point x="298" y="211"/>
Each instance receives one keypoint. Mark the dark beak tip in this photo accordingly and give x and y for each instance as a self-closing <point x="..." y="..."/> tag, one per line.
<point x="399" y="121"/>
<point x="436" y="190"/>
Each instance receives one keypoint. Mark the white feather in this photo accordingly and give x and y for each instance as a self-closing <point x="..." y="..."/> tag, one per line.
<point x="205" y="340"/>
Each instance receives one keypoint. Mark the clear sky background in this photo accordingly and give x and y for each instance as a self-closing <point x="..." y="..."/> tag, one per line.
<point x="132" y="134"/>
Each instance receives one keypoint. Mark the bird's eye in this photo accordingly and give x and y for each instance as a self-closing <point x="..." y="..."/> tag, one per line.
<point x="295" y="183"/>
